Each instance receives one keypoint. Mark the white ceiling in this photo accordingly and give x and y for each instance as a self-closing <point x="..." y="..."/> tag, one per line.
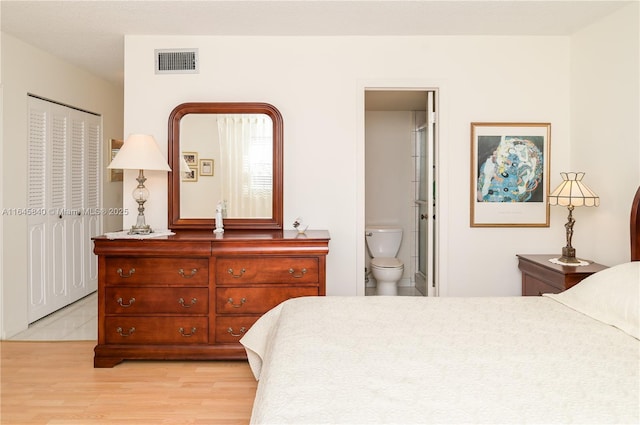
<point x="90" y="33"/>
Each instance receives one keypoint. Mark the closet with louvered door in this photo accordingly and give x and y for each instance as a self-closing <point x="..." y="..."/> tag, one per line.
<point x="62" y="205"/>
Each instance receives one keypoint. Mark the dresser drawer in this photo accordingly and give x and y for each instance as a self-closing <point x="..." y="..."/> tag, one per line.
<point x="286" y="270"/>
<point x="146" y="270"/>
<point x="232" y="328"/>
<point x="241" y="300"/>
<point x="156" y="300"/>
<point x="156" y="330"/>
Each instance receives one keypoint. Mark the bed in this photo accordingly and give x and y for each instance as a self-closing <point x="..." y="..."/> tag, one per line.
<point x="572" y="357"/>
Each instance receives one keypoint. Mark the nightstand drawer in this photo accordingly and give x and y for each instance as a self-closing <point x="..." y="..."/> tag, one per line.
<point x="277" y="270"/>
<point x="154" y="300"/>
<point x="533" y="286"/>
<point x="171" y="271"/>
<point x="156" y="330"/>
<point x="240" y="300"/>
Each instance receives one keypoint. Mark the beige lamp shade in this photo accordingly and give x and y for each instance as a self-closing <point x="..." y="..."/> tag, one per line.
<point x="140" y="152"/>
<point x="572" y="192"/>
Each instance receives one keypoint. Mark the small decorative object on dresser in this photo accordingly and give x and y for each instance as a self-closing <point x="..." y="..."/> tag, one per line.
<point x="299" y="225"/>
<point x="540" y="276"/>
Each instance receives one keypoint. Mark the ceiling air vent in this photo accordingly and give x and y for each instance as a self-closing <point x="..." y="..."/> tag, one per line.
<point x="177" y="61"/>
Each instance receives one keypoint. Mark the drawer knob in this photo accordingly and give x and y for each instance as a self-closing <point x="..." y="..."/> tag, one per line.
<point x="297" y="276"/>
<point x="131" y="301"/>
<point x="242" y="301"/>
<point x="181" y="330"/>
<point x="242" y="331"/>
<point x="193" y="302"/>
<point x="122" y="333"/>
<point x="187" y="276"/>
<point x="242" y="271"/>
<point x="122" y="274"/>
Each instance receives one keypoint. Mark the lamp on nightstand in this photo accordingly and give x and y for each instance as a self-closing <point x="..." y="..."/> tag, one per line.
<point x="572" y="193"/>
<point x="140" y="152"/>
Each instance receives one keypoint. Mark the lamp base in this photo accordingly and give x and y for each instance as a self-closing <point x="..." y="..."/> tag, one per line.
<point x="569" y="255"/>
<point x="140" y="230"/>
<point x="140" y="194"/>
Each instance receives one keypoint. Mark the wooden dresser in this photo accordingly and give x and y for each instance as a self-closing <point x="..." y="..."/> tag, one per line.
<point x="193" y="295"/>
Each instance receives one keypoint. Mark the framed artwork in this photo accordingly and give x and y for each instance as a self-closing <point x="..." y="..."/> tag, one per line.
<point x="115" y="175"/>
<point x="190" y="176"/>
<point x="510" y="174"/>
<point x="206" y="167"/>
<point x="191" y="158"/>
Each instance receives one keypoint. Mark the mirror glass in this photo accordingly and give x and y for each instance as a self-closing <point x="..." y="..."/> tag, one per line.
<point x="228" y="156"/>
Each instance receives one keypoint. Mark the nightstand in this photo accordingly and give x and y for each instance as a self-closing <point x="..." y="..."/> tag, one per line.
<point x="540" y="276"/>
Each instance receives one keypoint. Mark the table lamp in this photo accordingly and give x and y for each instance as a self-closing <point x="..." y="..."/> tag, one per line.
<point x="572" y="193"/>
<point x="140" y="152"/>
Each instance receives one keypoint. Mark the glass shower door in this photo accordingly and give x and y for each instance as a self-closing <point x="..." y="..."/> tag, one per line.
<point x="421" y="201"/>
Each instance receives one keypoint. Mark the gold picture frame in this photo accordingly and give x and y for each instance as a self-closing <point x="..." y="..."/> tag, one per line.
<point x="206" y="167"/>
<point x="115" y="174"/>
<point x="191" y="158"/>
<point x="191" y="175"/>
<point x="509" y="174"/>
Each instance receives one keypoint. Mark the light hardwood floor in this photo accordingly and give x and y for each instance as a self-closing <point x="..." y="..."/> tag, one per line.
<point x="55" y="383"/>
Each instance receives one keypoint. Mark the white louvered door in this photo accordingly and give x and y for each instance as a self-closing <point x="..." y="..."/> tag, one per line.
<point x="77" y="195"/>
<point x="36" y="224"/>
<point x="92" y="222"/>
<point x="56" y="224"/>
<point x="64" y="193"/>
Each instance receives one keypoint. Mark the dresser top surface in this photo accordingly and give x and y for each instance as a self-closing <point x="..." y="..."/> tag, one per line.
<point x="233" y="236"/>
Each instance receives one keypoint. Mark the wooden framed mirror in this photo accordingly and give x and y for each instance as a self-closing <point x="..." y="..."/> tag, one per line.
<point x="227" y="153"/>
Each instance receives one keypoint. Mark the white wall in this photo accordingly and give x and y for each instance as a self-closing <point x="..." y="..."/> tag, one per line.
<point x="605" y="131"/>
<point x="191" y="126"/>
<point x="26" y="69"/>
<point x="318" y="84"/>
<point x="1" y="191"/>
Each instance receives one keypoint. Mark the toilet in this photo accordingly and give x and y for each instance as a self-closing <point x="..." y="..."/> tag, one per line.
<point x="383" y="243"/>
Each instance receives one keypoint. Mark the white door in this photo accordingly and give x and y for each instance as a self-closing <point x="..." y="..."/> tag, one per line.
<point x="37" y="224"/>
<point x="56" y="223"/>
<point x="429" y="253"/>
<point x="426" y="200"/>
<point x="64" y="185"/>
<point x="92" y="222"/>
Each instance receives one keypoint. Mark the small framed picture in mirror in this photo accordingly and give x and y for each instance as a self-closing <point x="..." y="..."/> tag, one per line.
<point x="191" y="158"/>
<point x="190" y="176"/>
<point x="115" y="175"/>
<point x="206" y="167"/>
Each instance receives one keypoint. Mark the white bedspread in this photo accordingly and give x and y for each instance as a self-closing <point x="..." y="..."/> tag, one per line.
<point x="411" y="360"/>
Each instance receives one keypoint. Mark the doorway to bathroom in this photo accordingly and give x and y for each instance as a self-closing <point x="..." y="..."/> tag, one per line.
<point x="400" y="180"/>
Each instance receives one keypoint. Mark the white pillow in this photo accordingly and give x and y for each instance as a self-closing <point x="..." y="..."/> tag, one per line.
<point x="611" y="296"/>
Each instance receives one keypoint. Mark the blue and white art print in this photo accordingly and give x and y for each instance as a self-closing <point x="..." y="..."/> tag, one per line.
<point x="509" y="174"/>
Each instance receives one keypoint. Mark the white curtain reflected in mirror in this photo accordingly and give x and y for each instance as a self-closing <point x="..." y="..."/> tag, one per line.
<point x="246" y="174"/>
<point x="239" y="148"/>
